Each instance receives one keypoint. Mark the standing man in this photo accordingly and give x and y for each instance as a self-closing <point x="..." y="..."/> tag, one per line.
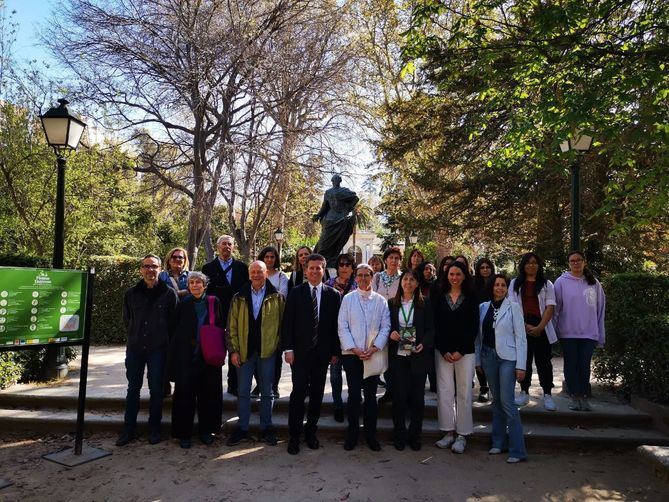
<point x="253" y="338"/>
<point x="310" y="340"/>
<point x="226" y="277"/>
<point x="147" y="309"/>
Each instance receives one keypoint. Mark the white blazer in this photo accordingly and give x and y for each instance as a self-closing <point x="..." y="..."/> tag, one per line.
<point x="546" y="297"/>
<point x="510" y="338"/>
<point x="359" y="331"/>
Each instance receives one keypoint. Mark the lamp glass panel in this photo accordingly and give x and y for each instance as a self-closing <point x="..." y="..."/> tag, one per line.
<point x="76" y="130"/>
<point x="582" y="143"/>
<point x="55" y="129"/>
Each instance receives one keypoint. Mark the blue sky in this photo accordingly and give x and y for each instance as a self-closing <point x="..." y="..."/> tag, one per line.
<point x="30" y="15"/>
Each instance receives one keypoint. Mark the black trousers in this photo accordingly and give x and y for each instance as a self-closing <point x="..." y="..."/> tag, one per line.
<point x="409" y="396"/>
<point x="354" y="369"/>
<point x="202" y="390"/>
<point x="232" y="376"/>
<point x="308" y="375"/>
<point x="539" y="349"/>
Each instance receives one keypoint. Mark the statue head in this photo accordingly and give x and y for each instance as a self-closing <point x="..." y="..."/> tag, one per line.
<point x="336" y="181"/>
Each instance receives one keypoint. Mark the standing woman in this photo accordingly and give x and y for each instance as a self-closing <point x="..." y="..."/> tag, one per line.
<point x="456" y="321"/>
<point x="196" y="384"/>
<point x="483" y="271"/>
<point x="364" y="326"/>
<point x="426" y="275"/>
<point x="416" y="257"/>
<point x="410" y="314"/>
<point x="501" y="349"/>
<point x="386" y="284"/>
<point x="344" y="282"/>
<point x="376" y="264"/>
<point x="298" y="276"/>
<point x="579" y="323"/>
<point x="536" y="295"/>
<point x="175" y="274"/>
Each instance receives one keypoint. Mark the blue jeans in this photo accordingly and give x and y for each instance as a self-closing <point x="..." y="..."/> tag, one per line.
<point x="135" y="361"/>
<point x="577" y="356"/>
<point x="336" y="382"/>
<point x="505" y="416"/>
<point x="265" y="369"/>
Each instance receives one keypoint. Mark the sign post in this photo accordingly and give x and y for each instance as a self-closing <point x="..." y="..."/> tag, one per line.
<point x="42" y="308"/>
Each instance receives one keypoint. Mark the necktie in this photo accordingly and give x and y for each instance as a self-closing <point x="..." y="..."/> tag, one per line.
<point x="314" y="305"/>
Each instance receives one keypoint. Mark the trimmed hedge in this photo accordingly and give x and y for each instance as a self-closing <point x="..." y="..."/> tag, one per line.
<point x="637" y="335"/>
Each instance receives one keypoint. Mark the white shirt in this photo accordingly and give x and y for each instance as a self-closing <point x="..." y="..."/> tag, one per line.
<point x="319" y="291"/>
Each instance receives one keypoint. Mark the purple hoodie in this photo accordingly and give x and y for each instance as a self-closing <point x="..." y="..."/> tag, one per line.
<point x="579" y="312"/>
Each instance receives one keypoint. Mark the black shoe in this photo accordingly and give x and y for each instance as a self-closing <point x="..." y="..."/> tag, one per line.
<point x="237" y="437"/>
<point x="386" y="398"/>
<point x="155" y="437"/>
<point x="399" y="444"/>
<point x="268" y="436"/>
<point x="293" y="446"/>
<point x="312" y="442"/>
<point x="351" y="442"/>
<point x="415" y="444"/>
<point x="126" y="437"/>
<point x="207" y="438"/>
<point x="373" y="444"/>
<point x="339" y="415"/>
<point x="483" y="397"/>
<point x="185" y="443"/>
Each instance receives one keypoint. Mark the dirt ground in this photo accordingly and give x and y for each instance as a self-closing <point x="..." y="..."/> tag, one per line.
<point x="253" y="471"/>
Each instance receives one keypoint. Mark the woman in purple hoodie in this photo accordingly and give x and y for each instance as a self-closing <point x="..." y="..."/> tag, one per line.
<point x="579" y="323"/>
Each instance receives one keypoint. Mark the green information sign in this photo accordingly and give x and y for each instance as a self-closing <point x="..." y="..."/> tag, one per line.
<point x="41" y="306"/>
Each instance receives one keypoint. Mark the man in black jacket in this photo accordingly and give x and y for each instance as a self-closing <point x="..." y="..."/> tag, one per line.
<point x="226" y="278"/>
<point x="147" y="309"/>
<point x="310" y="340"/>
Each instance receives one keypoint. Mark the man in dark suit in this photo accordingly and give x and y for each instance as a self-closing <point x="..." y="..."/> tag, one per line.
<point x="226" y="277"/>
<point x="310" y="341"/>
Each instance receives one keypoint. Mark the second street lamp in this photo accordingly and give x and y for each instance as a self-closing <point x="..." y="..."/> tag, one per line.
<point x="278" y="236"/>
<point x="580" y="143"/>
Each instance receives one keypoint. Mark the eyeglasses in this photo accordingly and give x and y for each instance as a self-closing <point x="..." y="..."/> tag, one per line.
<point x="346" y="264"/>
<point x="578" y="260"/>
<point x="151" y="267"/>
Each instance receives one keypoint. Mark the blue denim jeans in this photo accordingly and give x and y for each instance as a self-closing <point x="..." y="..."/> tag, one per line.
<point x="577" y="357"/>
<point x="336" y="382"/>
<point x="135" y="361"/>
<point x="505" y="416"/>
<point x="265" y="370"/>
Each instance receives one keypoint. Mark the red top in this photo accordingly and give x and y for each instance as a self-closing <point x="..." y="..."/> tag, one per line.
<point x="530" y="299"/>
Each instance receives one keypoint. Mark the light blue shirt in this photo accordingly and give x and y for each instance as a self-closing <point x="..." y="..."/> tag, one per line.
<point x="225" y="264"/>
<point x="257" y="298"/>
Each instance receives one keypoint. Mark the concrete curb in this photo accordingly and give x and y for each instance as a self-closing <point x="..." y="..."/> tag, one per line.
<point x="658" y="458"/>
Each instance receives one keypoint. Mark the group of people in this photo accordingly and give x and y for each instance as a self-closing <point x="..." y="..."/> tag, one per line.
<point x="369" y="320"/>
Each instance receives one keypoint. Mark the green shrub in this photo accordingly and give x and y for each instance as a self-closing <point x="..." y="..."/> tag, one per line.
<point x="114" y="274"/>
<point x="637" y="335"/>
<point x="10" y="369"/>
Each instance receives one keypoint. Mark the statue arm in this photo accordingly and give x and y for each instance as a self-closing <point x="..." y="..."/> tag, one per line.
<point x="324" y="210"/>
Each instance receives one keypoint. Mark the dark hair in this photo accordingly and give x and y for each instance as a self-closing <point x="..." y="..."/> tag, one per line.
<point x="375" y="258"/>
<point x="420" y="270"/>
<point x="151" y="255"/>
<point x="347" y="257"/>
<point x="413" y="252"/>
<point x="464" y="258"/>
<point x="490" y="285"/>
<point x="297" y="266"/>
<point x="479" y="280"/>
<point x="520" y="280"/>
<point x="270" y="249"/>
<point x="445" y="285"/>
<point x="441" y="273"/>
<point x="316" y="257"/>
<point x="417" y="294"/>
<point x="392" y="250"/>
<point x="587" y="273"/>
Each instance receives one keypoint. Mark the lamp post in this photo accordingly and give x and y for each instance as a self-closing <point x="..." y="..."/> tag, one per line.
<point x="413" y="238"/>
<point x="580" y="143"/>
<point x="63" y="131"/>
<point x="278" y="237"/>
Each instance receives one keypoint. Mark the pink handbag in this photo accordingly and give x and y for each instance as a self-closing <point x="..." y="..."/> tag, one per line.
<point x="212" y="339"/>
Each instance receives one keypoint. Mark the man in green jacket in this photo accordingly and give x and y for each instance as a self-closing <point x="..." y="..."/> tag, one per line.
<point x="254" y="327"/>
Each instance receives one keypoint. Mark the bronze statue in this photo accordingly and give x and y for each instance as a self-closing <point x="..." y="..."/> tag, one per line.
<point x="336" y="220"/>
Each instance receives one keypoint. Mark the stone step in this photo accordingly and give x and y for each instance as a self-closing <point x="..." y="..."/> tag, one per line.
<point x="601" y="416"/>
<point x="538" y="435"/>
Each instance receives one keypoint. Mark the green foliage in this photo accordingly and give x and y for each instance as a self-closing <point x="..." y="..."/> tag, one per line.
<point x="114" y="274"/>
<point x="10" y="369"/>
<point x="637" y="335"/>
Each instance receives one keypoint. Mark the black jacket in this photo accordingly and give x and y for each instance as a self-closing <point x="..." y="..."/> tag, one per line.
<point x="147" y="314"/>
<point x="182" y="357"/>
<point x="218" y="282"/>
<point x="455" y="330"/>
<point x="297" y="328"/>
<point x="422" y="320"/>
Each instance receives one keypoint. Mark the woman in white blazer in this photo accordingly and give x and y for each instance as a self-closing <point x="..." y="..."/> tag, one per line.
<point x="364" y="326"/>
<point x="501" y="349"/>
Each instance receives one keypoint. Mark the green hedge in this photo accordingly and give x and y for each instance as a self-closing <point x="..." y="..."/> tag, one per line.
<point x="637" y="335"/>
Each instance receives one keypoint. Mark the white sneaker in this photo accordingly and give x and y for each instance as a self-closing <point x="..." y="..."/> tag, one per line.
<point x="549" y="404"/>
<point x="585" y="404"/>
<point x="514" y="460"/>
<point x="523" y="398"/>
<point x="494" y="451"/>
<point x="459" y="444"/>
<point x="445" y="442"/>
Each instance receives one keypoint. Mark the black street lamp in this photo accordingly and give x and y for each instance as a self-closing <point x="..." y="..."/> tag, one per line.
<point x="579" y="144"/>
<point x="413" y="238"/>
<point x="63" y="132"/>
<point x="278" y="237"/>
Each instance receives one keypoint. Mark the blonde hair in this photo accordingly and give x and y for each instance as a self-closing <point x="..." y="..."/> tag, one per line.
<point x="169" y="257"/>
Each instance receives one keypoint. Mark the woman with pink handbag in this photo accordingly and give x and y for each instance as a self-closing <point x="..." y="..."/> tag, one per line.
<point x="197" y="352"/>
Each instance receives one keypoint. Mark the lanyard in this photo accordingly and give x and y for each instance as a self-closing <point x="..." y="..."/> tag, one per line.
<point x="405" y="316"/>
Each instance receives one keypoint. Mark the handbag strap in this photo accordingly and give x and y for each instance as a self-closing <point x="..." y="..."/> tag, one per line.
<point x="212" y="315"/>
